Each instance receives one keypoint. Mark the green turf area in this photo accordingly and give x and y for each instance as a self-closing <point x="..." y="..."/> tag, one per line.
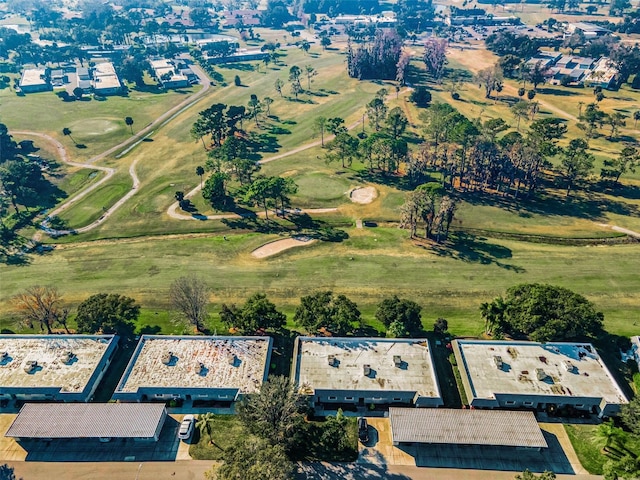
<point x="95" y="124"/>
<point x="225" y="431"/>
<point x="588" y="446"/>
<point x="370" y="265"/>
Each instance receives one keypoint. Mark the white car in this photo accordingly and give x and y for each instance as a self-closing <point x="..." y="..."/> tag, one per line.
<point x="186" y="427"/>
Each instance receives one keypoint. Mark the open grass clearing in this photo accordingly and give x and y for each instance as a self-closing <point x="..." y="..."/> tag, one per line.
<point x="225" y="431"/>
<point x="449" y="283"/>
<point x="588" y="446"/>
<point x="95" y="124"/>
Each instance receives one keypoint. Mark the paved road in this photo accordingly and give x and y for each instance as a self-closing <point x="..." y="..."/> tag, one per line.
<point x="194" y="470"/>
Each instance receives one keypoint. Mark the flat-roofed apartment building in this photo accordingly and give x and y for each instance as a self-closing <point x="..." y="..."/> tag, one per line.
<point x="536" y="375"/>
<point x="364" y="371"/>
<point x="193" y="368"/>
<point x="63" y="368"/>
<point x="168" y="75"/>
<point x="105" y="79"/>
<point x="35" y="80"/>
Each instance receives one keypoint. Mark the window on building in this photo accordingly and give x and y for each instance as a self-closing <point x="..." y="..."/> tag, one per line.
<point x="349" y="398"/>
<point x="510" y="402"/>
<point x="333" y="398"/>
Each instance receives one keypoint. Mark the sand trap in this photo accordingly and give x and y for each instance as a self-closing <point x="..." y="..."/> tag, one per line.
<point x="363" y="195"/>
<point x="280" y="245"/>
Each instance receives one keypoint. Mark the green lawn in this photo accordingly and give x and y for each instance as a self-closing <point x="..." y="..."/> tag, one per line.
<point x="588" y="446"/>
<point x="225" y="431"/>
<point x="369" y="266"/>
<point x="95" y="124"/>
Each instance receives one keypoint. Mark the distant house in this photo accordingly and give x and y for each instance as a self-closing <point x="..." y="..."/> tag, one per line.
<point x="168" y="75"/>
<point x="357" y="372"/>
<point x="486" y="20"/>
<point x="64" y="368"/>
<point x="105" y="79"/>
<point x="542" y="376"/>
<point x="365" y="20"/>
<point x="35" y="80"/>
<point x="236" y="18"/>
<point x="635" y="347"/>
<point x="195" y="369"/>
<point x="242" y="55"/>
<point x="573" y="70"/>
<point x="589" y="30"/>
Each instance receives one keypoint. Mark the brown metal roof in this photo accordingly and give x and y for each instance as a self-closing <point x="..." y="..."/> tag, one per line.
<point x="87" y="420"/>
<point x="466" y="427"/>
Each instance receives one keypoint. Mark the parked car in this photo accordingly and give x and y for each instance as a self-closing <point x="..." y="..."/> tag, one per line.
<point x="363" y="430"/>
<point x="186" y="427"/>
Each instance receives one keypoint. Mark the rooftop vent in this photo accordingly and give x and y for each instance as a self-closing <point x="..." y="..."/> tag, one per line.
<point x="167" y="358"/>
<point x="541" y="374"/>
<point x="4" y="356"/>
<point x="332" y="360"/>
<point x="367" y="370"/>
<point x="497" y="359"/>
<point x="31" y="366"/>
<point x="568" y="366"/>
<point x="397" y="361"/>
<point x="200" y="368"/>
<point x="233" y="359"/>
<point x="67" y="356"/>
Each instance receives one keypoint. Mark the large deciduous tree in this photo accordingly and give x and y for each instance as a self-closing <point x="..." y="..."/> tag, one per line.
<point x="404" y="312"/>
<point x="336" y="313"/>
<point x="630" y="415"/>
<point x="435" y="56"/>
<point x="543" y="313"/>
<point x="258" y="313"/>
<point x="41" y="305"/>
<point x="491" y="78"/>
<point x="108" y="313"/>
<point x="275" y="412"/>
<point x="189" y="295"/>
<point x="255" y="459"/>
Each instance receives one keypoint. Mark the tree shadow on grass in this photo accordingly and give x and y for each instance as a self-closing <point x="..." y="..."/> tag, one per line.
<point x="400" y="182"/>
<point x="590" y="205"/>
<point x="474" y="249"/>
<point x="557" y="92"/>
<point x="243" y="67"/>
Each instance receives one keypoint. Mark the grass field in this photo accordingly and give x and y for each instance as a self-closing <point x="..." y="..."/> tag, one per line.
<point x="588" y="446"/>
<point x="370" y="265"/>
<point x="95" y="124"/>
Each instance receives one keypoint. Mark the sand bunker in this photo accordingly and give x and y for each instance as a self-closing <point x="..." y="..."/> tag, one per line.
<point x="363" y="195"/>
<point x="280" y="245"/>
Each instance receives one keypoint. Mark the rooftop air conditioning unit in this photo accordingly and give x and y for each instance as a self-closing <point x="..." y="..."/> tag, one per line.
<point x="367" y="370"/>
<point x="67" y="356"/>
<point x="331" y="359"/>
<point x="200" y="368"/>
<point x="497" y="359"/>
<point x="397" y="361"/>
<point x="540" y="373"/>
<point x="167" y="357"/>
<point x="30" y="366"/>
<point x="232" y="360"/>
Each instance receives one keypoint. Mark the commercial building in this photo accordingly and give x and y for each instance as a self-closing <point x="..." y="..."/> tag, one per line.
<point x="238" y="18"/>
<point x="105" y="79"/>
<point x="35" y="80"/>
<point x="195" y="368"/>
<point x="98" y="421"/>
<point x="168" y="75"/>
<point x="494" y="428"/>
<point x="64" y="368"/>
<point x="589" y="30"/>
<point x="534" y="375"/>
<point x="337" y="372"/>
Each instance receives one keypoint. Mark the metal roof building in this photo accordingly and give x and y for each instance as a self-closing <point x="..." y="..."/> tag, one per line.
<point x="536" y="375"/>
<point x="165" y="367"/>
<point x="365" y="371"/>
<point x="53" y="367"/>
<point x="88" y="420"/>
<point x="465" y="427"/>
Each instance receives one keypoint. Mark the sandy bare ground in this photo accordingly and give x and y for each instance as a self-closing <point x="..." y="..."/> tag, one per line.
<point x="363" y="195"/>
<point x="278" y="246"/>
